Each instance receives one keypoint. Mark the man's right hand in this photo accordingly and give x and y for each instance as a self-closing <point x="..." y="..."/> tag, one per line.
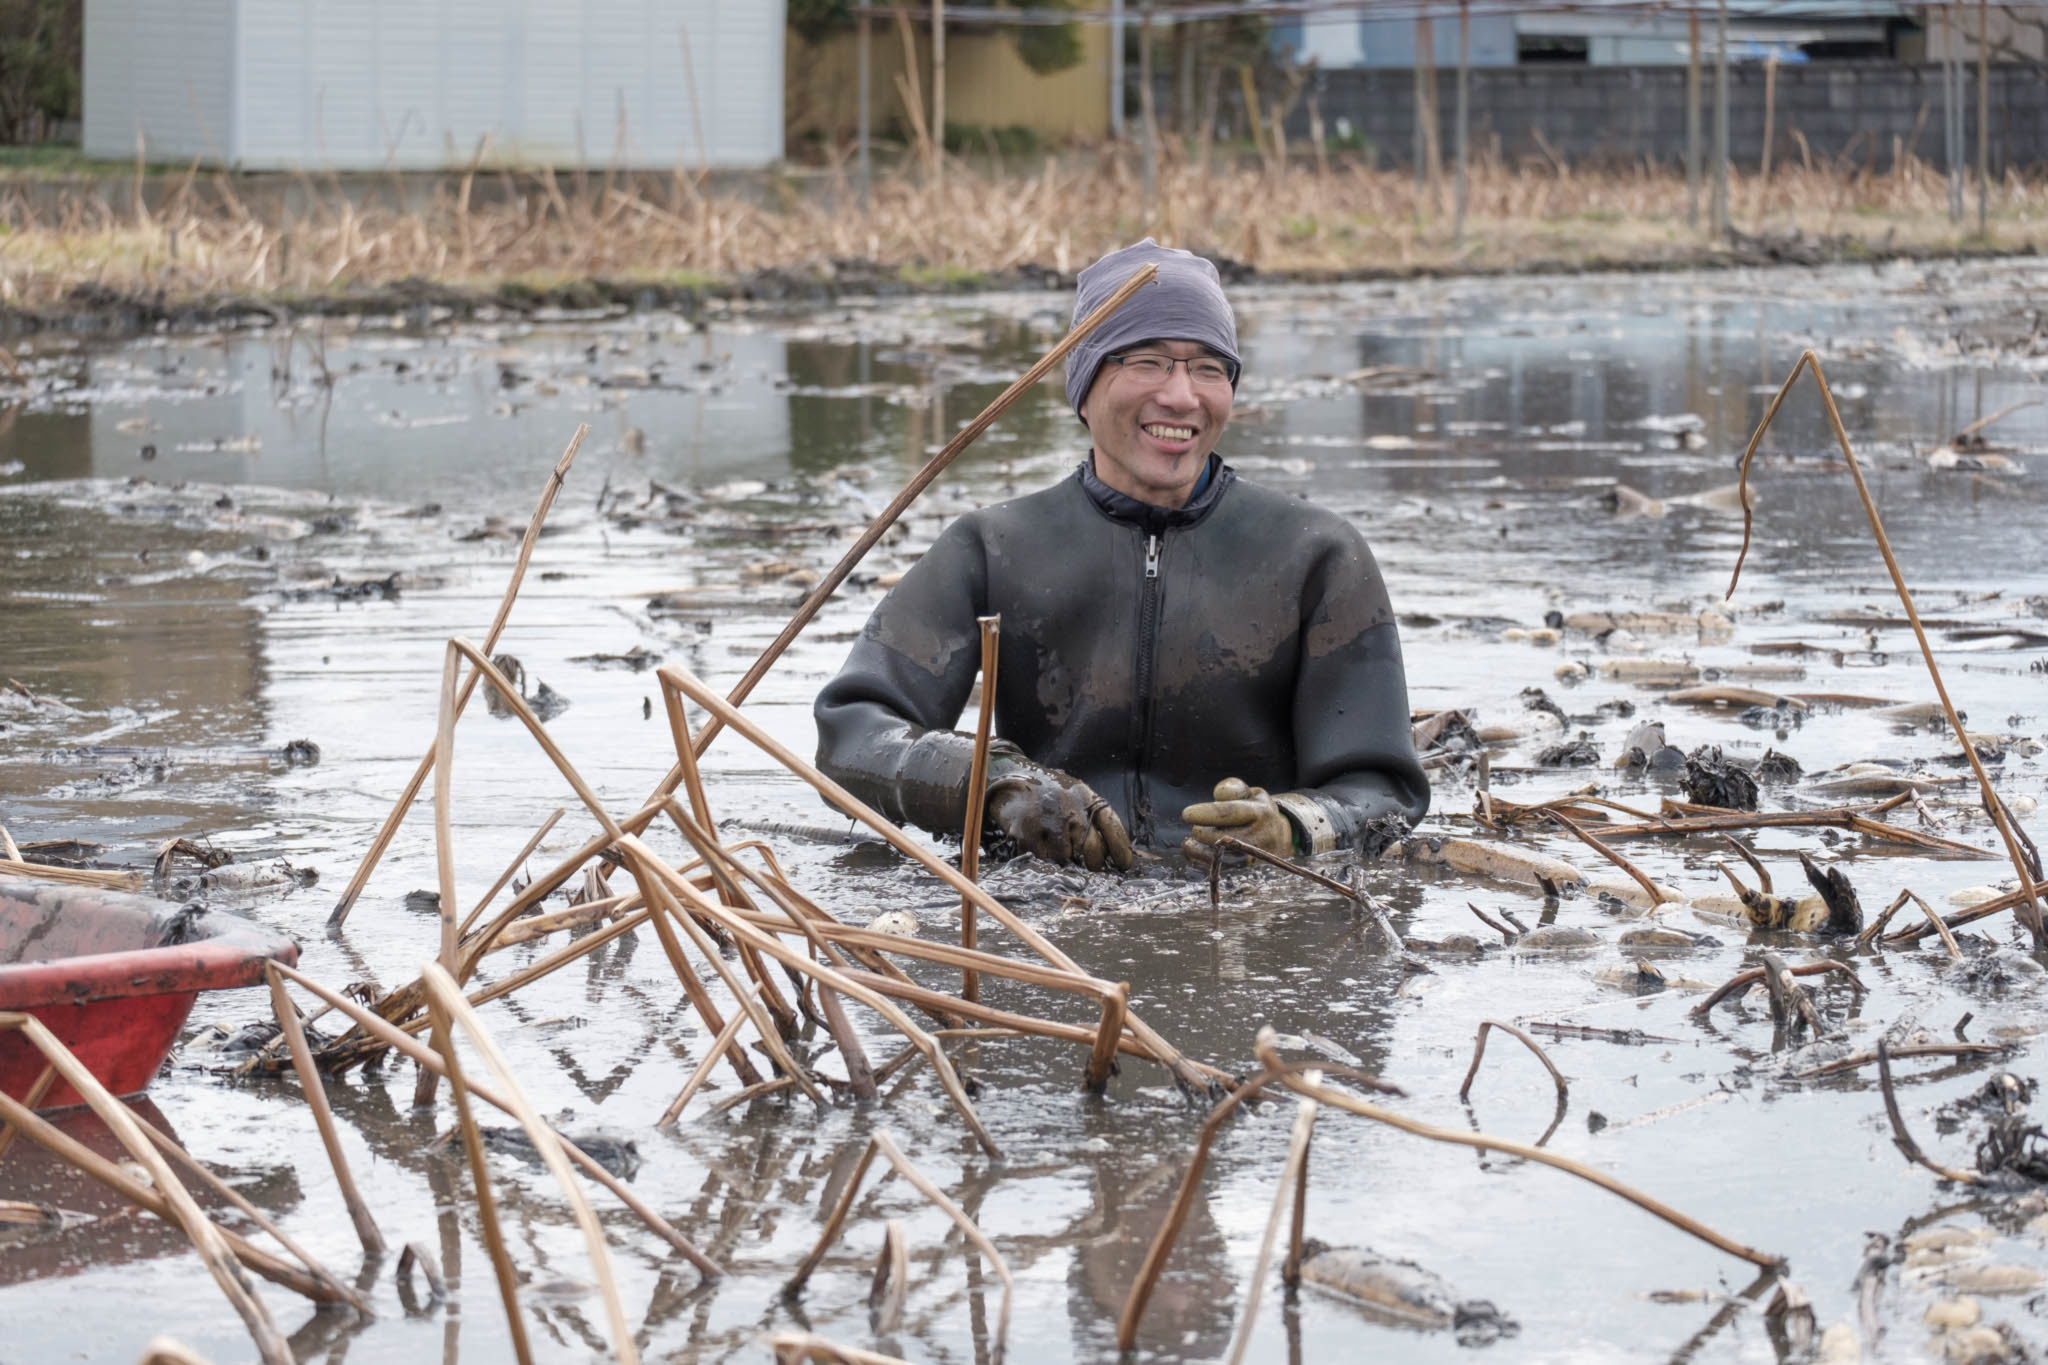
<point x="1051" y="816"/>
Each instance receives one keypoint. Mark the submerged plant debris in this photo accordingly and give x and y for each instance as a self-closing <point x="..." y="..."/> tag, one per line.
<point x="179" y="625"/>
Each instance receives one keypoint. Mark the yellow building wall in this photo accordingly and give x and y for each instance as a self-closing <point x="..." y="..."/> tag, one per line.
<point x="987" y="83"/>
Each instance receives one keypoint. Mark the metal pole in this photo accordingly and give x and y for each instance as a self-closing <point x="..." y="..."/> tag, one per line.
<point x="1951" y="109"/>
<point x="1150" y="158"/>
<point x="1464" y="113"/>
<point x="1721" y="123"/>
<point x="1983" y="115"/>
<point x="938" y="92"/>
<point x="1692" y="120"/>
<point x="866" y="168"/>
<point x="1421" y="36"/>
<point x="1432" y="124"/>
<point x="1116" y="68"/>
<point x="1763" y="175"/>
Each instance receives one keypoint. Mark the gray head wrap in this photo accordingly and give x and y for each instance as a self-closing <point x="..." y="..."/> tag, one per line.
<point x="1185" y="303"/>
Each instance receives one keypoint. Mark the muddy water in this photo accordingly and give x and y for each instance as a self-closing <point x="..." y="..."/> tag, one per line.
<point x="214" y="547"/>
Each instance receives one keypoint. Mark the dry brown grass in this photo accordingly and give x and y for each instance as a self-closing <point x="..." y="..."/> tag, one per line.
<point x="541" y="230"/>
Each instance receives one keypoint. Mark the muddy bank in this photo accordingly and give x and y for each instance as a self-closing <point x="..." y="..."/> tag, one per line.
<point x="112" y="313"/>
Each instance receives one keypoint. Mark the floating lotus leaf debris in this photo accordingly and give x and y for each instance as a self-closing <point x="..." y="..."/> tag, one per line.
<point x="1713" y="779"/>
<point x="1582" y="752"/>
<point x="1775" y="767"/>
<point x="1401" y="1293"/>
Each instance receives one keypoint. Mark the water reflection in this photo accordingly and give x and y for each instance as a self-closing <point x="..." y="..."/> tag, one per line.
<point x="1471" y="427"/>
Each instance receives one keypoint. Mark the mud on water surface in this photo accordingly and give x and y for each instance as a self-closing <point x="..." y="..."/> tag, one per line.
<point x="214" y="547"/>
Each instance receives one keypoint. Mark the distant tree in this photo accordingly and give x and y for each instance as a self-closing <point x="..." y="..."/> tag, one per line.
<point x="1045" y="48"/>
<point x="816" y="20"/>
<point x="41" y="58"/>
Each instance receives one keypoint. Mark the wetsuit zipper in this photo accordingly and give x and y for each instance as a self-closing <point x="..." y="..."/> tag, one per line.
<point x="1141" y="708"/>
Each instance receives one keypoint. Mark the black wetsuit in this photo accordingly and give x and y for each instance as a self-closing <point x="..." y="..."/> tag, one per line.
<point x="1146" y="651"/>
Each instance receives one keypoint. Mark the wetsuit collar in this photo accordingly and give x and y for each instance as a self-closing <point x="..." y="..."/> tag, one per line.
<point x="1147" y="517"/>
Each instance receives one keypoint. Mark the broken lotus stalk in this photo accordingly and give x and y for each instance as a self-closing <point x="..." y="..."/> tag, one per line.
<point x="445" y="996"/>
<point x="1293" y="1178"/>
<point x="1479" y="1051"/>
<point x="389" y="829"/>
<point x="977" y="792"/>
<point x="881" y="1144"/>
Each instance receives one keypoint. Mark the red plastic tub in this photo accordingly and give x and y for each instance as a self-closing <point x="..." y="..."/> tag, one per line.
<point x="113" y="976"/>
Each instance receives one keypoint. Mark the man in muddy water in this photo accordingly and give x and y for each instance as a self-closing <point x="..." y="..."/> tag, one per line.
<point x="1185" y="656"/>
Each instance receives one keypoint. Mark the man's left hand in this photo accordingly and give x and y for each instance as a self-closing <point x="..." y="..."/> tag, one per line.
<point x="1239" y="812"/>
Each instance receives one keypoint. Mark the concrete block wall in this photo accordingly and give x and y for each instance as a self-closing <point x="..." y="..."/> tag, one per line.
<point x="1627" y="114"/>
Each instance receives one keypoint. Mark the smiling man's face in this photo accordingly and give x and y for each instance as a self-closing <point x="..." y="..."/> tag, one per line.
<point x="1153" y="437"/>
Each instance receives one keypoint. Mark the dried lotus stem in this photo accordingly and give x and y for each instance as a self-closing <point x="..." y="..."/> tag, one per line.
<point x="1656" y="893"/>
<point x="1479" y="1051"/>
<point x="1902" y="1139"/>
<point x="881" y="1144"/>
<point x="319" y="1288"/>
<point x="445" y="996"/>
<point x="480" y="1177"/>
<point x="2028" y="909"/>
<point x="892" y="1278"/>
<point x="1948" y="940"/>
<point x="511" y="869"/>
<point x="1293" y="1175"/>
<point x="1877" y="926"/>
<point x="1186" y="1074"/>
<point x="797" y="1348"/>
<point x="1338" y="1099"/>
<point x="392" y="1036"/>
<point x="1154" y="1264"/>
<point x="315" y="1091"/>
<point x="702" y="1072"/>
<point x="174" y="1198"/>
<point x="977" y="792"/>
<point x="1507" y="935"/>
<point x="1750" y="976"/>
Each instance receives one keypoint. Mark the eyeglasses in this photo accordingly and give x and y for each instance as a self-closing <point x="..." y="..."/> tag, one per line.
<point x="1150" y="367"/>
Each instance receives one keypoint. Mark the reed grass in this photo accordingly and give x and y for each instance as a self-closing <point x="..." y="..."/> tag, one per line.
<point x="1335" y="215"/>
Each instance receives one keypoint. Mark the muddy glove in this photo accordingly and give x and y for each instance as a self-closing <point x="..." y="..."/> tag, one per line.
<point x="1051" y="816"/>
<point x="1247" y="814"/>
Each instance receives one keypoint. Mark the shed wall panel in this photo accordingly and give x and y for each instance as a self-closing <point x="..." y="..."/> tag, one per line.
<point x="409" y="84"/>
<point x="163" y="69"/>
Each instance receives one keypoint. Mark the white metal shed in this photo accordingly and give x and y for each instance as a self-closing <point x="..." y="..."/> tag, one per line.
<point x="370" y="84"/>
